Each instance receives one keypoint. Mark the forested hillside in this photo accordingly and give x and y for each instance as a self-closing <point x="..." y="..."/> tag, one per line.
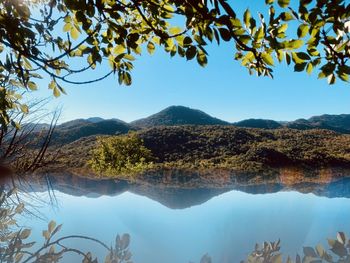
<point x="226" y="147"/>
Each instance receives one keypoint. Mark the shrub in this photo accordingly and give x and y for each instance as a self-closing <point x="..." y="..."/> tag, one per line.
<point x="120" y="154"/>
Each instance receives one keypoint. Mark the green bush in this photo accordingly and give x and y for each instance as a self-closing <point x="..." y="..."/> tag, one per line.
<point x="120" y="154"/>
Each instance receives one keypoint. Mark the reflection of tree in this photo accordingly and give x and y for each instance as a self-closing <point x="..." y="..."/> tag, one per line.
<point x="15" y="247"/>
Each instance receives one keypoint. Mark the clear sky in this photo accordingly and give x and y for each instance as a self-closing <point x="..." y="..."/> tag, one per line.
<point x="223" y="89"/>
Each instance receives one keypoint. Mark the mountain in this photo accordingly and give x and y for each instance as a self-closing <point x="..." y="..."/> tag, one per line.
<point x="258" y="123"/>
<point x="178" y="115"/>
<point x="95" y="119"/>
<point x="74" y="130"/>
<point x="339" y="123"/>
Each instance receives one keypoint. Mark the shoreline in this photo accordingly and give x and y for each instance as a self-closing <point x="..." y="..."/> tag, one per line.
<point x="214" y="177"/>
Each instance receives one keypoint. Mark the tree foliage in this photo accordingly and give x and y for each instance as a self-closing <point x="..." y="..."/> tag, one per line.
<point x="41" y="38"/>
<point x="120" y="154"/>
<point x="205" y="148"/>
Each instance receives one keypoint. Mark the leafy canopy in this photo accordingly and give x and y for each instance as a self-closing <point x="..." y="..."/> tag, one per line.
<point x="120" y="154"/>
<point x="41" y="38"/>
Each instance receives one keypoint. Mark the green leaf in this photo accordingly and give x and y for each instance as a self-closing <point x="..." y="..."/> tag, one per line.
<point x="303" y="30"/>
<point x="202" y="59"/>
<point x="295" y="44"/>
<point x="244" y="39"/>
<point x="191" y="52"/>
<point x="129" y="57"/>
<point x="299" y="67"/>
<point x="127" y="78"/>
<point x="187" y="41"/>
<point x="56" y="92"/>
<point x="283" y="3"/>
<point x="279" y="55"/>
<point x="175" y="30"/>
<point x="225" y="34"/>
<point x="32" y="85"/>
<point x="74" y="32"/>
<point x="246" y="17"/>
<point x="236" y="22"/>
<point x="67" y="27"/>
<point x="288" y="58"/>
<point x="52" y="84"/>
<point x="313" y="52"/>
<point x="119" y="49"/>
<point x="286" y="16"/>
<point x="303" y="55"/>
<point x="331" y="79"/>
<point x="282" y="28"/>
<point x="151" y="47"/>
<point x="309" y="68"/>
<point x="268" y="59"/>
<point x="259" y="34"/>
<point x="62" y="90"/>
<point x="322" y="75"/>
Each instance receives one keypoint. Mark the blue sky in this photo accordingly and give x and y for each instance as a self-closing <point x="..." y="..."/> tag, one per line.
<point x="223" y="89"/>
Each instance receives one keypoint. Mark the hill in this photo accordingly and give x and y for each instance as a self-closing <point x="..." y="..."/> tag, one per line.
<point x="339" y="123"/>
<point x="258" y="123"/>
<point x="178" y="115"/>
<point x="74" y="130"/>
<point x="231" y="148"/>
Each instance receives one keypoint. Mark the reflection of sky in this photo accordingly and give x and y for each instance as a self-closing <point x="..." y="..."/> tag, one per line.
<point x="226" y="227"/>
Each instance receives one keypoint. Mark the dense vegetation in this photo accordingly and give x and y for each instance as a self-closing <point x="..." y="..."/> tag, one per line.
<point x="339" y="123"/>
<point x="221" y="147"/>
<point x="119" y="154"/>
<point x="70" y="132"/>
<point x="179" y="115"/>
<point x="238" y="147"/>
<point x="258" y="123"/>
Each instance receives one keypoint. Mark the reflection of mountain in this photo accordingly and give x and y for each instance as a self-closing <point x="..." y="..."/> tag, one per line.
<point x="339" y="188"/>
<point x="175" y="197"/>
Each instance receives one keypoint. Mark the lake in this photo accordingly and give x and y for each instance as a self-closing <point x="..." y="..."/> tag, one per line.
<point x="177" y="225"/>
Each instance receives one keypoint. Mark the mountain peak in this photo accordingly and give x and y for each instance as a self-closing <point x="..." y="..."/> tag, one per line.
<point x="178" y="115"/>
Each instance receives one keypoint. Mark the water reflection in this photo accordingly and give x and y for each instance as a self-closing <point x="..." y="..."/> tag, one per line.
<point x="180" y="197"/>
<point x="223" y="222"/>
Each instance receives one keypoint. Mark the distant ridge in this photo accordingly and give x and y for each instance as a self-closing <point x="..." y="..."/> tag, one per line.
<point x="258" y="123"/>
<point x="74" y="130"/>
<point x="339" y="123"/>
<point x="178" y="115"/>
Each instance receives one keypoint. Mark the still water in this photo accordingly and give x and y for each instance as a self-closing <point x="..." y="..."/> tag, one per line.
<point x="181" y="225"/>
